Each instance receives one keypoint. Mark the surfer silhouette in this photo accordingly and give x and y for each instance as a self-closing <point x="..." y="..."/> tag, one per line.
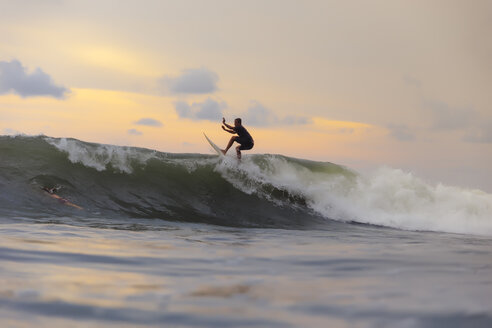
<point x="243" y="137"/>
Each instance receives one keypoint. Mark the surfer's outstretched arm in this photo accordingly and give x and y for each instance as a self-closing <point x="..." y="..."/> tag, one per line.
<point x="227" y="130"/>
<point x="227" y="125"/>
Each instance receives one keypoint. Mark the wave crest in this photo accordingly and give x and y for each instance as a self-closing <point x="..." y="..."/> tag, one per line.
<point x="262" y="191"/>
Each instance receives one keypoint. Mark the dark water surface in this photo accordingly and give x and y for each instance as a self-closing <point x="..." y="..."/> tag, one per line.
<point x="154" y="273"/>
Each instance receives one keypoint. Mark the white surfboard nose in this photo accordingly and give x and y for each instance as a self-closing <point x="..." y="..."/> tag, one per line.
<point x="214" y="146"/>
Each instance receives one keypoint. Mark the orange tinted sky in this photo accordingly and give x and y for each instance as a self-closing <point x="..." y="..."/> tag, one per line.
<point x="401" y="83"/>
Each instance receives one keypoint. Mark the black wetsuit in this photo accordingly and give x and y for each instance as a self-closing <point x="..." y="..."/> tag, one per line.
<point x="244" y="138"/>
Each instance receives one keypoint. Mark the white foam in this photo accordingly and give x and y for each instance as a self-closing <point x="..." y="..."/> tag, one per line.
<point x="388" y="197"/>
<point x="99" y="156"/>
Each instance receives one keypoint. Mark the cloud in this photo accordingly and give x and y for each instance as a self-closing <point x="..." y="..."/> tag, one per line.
<point x="15" y="79"/>
<point x="191" y="81"/>
<point x="476" y="127"/>
<point x="482" y="134"/>
<point x="134" y="132"/>
<point x="445" y="117"/>
<point x="210" y="110"/>
<point x="259" y="115"/>
<point x="148" y="122"/>
<point x="183" y="109"/>
<point x="255" y="115"/>
<point x="401" y="132"/>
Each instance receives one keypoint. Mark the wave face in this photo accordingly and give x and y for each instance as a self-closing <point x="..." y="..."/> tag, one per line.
<point x="262" y="191"/>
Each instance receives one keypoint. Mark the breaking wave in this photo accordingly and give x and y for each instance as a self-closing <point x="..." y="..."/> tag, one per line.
<point x="262" y="191"/>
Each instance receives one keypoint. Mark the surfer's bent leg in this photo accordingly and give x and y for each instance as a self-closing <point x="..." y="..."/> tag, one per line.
<point x="229" y="144"/>
<point x="243" y="145"/>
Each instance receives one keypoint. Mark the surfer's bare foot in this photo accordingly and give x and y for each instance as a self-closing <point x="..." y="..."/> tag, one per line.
<point x="223" y="151"/>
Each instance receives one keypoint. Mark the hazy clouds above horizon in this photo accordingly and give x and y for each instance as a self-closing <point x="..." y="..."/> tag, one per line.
<point x="259" y="115"/>
<point x="191" y="81"/>
<point x="209" y="109"/>
<point x="149" y="122"/>
<point x="419" y="73"/>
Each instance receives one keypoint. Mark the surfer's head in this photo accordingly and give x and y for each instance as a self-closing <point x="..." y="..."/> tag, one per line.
<point x="237" y="122"/>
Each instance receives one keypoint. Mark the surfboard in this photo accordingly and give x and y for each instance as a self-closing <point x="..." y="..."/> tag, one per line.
<point x="214" y="146"/>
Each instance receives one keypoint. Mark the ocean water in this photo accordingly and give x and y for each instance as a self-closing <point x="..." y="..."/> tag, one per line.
<point x="141" y="238"/>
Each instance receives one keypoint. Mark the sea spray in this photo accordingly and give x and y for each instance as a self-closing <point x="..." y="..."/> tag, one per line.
<point x="387" y="197"/>
<point x="100" y="156"/>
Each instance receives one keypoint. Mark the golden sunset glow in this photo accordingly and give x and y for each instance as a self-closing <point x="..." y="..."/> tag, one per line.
<point x="251" y="163"/>
<point x="112" y="58"/>
<point x="312" y="87"/>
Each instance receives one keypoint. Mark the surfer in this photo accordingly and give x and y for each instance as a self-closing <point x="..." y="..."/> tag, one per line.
<point x="51" y="190"/>
<point x="243" y="137"/>
<point x="52" y="193"/>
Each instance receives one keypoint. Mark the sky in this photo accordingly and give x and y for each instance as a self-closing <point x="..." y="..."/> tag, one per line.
<point x="365" y="84"/>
